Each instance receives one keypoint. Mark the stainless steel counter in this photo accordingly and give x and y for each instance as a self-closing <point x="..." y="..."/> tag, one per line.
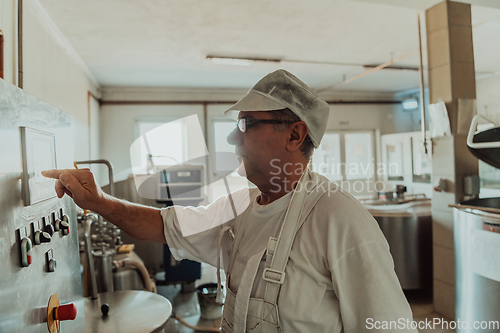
<point x="130" y="311"/>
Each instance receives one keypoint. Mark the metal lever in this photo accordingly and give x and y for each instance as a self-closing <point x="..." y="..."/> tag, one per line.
<point x="87" y="223"/>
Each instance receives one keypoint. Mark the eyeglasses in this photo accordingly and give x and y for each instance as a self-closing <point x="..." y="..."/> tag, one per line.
<point x="244" y="124"/>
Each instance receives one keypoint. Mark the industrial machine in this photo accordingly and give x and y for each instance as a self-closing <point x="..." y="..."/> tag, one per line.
<point x="40" y="281"/>
<point x="477" y="242"/>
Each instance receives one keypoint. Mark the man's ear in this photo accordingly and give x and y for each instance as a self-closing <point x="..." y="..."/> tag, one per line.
<point x="298" y="133"/>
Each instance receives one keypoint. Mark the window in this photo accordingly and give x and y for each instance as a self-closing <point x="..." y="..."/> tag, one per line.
<point x="358" y="156"/>
<point x="347" y="158"/>
<point x="394" y="161"/>
<point x="326" y="159"/>
<point x="162" y="142"/>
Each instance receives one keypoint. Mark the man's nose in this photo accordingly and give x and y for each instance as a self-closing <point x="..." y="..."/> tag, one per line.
<point x="234" y="138"/>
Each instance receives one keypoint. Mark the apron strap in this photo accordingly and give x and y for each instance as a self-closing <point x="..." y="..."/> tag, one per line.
<point x="275" y="274"/>
<point x="244" y="291"/>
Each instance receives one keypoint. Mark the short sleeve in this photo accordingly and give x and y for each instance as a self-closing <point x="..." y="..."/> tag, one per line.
<point x="193" y="232"/>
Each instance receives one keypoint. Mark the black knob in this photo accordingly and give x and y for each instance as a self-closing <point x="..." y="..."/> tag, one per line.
<point x="45" y="237"/>
<point x="105" y="309"/>
<point x="49" y="228"/>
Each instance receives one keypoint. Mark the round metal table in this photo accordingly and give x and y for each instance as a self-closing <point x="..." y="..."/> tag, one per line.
<point x="129" y="311"/>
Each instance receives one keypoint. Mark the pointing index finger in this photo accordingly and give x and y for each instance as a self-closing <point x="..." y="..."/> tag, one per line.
<point x="55" y="173"/>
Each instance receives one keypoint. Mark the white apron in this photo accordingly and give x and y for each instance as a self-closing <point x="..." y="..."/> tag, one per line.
<point x="244" y="314"/>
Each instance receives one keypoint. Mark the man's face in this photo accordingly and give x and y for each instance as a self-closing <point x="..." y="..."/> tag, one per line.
<point x="257" y="146"/>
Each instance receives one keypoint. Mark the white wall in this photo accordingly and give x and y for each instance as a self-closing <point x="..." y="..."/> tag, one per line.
<point x="488" y="97"/>
<point x="350" y="117"/>
<point x="52" y="70"/>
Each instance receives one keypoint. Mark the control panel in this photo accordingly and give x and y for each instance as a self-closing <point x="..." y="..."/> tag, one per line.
<point x="48" y="229"/>
<point x="39" y="249"/>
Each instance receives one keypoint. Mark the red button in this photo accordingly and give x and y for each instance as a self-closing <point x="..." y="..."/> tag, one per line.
<point x="65" y="312"/>
<point x="29" y="259"/>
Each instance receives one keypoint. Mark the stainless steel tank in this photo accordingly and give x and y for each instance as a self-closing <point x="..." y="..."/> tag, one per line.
<point x="407" y="227"/>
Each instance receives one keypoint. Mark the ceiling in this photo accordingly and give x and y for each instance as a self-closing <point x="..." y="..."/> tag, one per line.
<point x="165" y="43"/>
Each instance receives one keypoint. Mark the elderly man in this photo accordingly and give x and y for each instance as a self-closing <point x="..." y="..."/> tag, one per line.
<point x="300" y="254"/>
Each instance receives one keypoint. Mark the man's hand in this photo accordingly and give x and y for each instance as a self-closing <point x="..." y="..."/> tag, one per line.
<point x="79" y="184"/>
<point x="138" y="221"/>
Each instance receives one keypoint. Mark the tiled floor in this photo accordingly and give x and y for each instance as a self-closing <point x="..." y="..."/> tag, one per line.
<point x="186" y="306"/>
<point x="423" y="311"/>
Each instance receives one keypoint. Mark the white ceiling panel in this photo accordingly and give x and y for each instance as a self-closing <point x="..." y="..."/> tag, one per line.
<point x="164" y="43"/>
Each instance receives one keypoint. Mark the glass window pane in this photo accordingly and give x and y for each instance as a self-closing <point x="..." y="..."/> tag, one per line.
<point x="326" y="159"/>
<point x="165" y="141"/>
<point x="394" y="161"/>
<point x="221" y="131"/>
<point x="358" y="156"/>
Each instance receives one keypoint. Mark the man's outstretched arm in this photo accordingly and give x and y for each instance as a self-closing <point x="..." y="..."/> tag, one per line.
<point x="141" y="222"/>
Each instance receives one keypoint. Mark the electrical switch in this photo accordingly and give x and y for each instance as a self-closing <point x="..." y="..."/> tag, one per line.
<point x="57" y="313"/>
<point x="26" y="246"/>
<point x="64" y="227"/>
<point x="65" y="312"/>
<point x="51" y="265"/>
<point x="57" y="225"/>
<point x="51" y="262"/>
<point x="42" y="237"/>
<point x="37" y="237"/>
<point x="49" y="228"/>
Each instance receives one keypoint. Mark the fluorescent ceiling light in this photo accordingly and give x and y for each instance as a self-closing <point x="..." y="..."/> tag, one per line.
<point x="230" y="61"/>
<point x="238" y="61"/>
<point x="394" y="68"/>
<point x="410" y="104"/>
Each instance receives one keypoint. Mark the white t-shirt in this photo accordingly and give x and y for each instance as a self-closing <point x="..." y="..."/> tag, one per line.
<point x="339" y="278"/>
